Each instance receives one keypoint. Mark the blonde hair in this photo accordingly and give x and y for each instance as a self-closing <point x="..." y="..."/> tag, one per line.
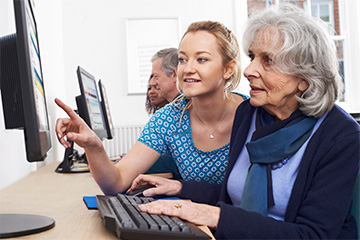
<point x="228" y="47"/>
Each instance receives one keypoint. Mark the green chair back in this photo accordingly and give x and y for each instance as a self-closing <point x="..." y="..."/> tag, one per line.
<point x="355" y="210"/>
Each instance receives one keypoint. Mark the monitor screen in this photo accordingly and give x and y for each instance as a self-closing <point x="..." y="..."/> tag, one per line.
<point x="22" y="83"/>
<point x="24" y="106"/>
<point x="106" y="110"/>
<point x="88" y="103"/>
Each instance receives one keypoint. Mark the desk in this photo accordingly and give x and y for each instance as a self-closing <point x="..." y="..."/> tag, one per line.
<point x="59" y="196"/>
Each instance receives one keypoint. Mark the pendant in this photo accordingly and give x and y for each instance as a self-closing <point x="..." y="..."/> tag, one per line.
<point x="211" y="136"/>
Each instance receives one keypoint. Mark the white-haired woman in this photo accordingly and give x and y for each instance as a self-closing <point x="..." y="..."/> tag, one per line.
<point x="294" y="154"/>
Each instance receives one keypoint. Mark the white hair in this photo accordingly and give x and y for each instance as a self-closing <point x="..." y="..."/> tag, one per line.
<point x="307" y="52"/>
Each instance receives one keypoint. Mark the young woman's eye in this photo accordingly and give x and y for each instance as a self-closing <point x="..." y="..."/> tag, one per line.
<point x="181" y="60"/>
<point x="201" y="60"/>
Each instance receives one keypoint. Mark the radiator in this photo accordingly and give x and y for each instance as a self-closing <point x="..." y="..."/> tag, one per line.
<point x="124" y="138"/>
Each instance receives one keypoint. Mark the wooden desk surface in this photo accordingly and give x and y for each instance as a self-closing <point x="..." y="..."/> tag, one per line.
<point x="58" y="196"/>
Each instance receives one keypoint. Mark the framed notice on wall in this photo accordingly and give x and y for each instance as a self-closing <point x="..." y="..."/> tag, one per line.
<point x="146" y="36"/>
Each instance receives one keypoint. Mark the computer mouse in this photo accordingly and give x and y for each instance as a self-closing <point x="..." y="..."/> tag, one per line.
<point x="140" y="190"/>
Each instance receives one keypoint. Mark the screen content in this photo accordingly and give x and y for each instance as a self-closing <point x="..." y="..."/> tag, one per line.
<point x="38" y="85"/>
<point x="92" y="103"/>
<point x="107" y="107"/>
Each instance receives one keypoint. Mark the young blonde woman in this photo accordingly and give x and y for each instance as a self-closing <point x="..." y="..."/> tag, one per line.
<point x="195" y="130"/>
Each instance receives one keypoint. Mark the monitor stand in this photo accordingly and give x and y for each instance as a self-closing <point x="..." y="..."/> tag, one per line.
<point x="16" y="225"/>
<point x="73" y="162"/>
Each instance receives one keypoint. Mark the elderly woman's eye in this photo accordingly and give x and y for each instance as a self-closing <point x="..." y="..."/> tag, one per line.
<point x="251" y="56"/>
<point x="268" y="61"/>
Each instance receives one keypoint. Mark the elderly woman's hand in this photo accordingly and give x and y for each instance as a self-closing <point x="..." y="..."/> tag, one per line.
<point x="75" y="129"/>
<point x="162" y="186"/>
<point x="200" y="214"/>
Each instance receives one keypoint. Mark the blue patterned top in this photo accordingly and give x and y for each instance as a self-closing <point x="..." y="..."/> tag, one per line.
<point x="164" y="134"/>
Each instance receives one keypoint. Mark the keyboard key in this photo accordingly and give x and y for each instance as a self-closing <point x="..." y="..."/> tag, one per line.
<point x="162" y="225"/>
<point x="136" y="217"/>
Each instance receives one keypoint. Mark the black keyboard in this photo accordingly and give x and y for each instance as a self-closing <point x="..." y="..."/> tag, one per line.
<point x="122" y="215"/>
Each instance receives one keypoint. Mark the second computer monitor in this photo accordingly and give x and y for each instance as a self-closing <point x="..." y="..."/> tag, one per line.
<point x="106" y="110"/>
<point x="88" y="103"/>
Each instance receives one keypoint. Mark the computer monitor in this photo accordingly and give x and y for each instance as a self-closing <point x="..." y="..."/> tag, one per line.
<point x="88" y="103"/>
<point x="106" y="111"/>
<point x="22" y="85"/>
<point x="89" y="109"/>
<point x="24" y="105"/>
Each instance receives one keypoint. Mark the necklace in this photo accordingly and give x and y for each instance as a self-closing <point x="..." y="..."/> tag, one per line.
<point x="280" y="164"/>
<point x="203" y="125"/>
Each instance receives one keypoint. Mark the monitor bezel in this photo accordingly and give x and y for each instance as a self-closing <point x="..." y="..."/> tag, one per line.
<point x="32" y="136"/>
<point x="82" y="107"/>
<point x="104" y="98"/>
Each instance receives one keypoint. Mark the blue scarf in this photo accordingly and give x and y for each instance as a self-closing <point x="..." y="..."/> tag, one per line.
<point x="271" y="142"/>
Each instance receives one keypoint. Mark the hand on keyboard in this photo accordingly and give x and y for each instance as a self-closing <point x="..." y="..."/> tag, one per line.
<point x="199" y="214"/>
<point x="122" y="214"/>
<point x="162" y="185"/>
<point x="139" y="190"/>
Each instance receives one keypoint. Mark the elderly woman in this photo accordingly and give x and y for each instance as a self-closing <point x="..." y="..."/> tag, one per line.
<point x="294" y="154"/>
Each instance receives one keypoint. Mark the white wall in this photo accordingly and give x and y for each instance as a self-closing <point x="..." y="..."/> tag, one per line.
<point x="92" y="34"/>
<point x="95" y="39"/>
<point x="352" y="34"/>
